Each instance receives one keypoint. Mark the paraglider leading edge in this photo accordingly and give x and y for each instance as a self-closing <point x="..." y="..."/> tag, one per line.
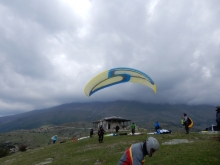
<point x="116" y="76"/>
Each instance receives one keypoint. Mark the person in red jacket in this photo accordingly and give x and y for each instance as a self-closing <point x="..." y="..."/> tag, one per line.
<point x="136" y="153"/>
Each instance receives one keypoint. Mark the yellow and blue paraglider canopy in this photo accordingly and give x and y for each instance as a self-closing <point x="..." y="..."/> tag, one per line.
<point x="116" y="76"/>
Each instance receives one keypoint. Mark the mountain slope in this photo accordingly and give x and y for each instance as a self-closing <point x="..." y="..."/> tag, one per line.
<point x="141" y="113"/>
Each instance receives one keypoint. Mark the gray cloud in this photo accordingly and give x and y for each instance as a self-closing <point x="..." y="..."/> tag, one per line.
<point x="50" y="50"/>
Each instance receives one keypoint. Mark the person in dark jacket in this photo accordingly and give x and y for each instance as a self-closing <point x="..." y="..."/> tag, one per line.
<point x="218" y="117"/>
<point x="91" y="132"/>
<point x="136" y="153"/>
<point x="117" y="128"/>
<point x="101" y="132"/>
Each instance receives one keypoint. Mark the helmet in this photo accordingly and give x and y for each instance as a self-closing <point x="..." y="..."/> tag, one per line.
<point x="152" y="143"/>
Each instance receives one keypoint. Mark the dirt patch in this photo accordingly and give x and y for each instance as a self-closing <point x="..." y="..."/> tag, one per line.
<point x="97" y="162"/>
<point x="47" y="161"/>
<point x="9" y="161"/>
<point x="176" y="141"/>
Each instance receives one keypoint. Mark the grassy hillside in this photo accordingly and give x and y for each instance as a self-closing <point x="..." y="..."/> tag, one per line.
<point x="42" y="136"/>
<point x="202" y="150"/>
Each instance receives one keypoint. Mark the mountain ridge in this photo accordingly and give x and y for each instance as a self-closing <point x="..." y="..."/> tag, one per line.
<point x="144" y="114"/>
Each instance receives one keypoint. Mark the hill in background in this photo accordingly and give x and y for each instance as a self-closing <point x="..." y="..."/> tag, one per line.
<point x="142" y="114"/>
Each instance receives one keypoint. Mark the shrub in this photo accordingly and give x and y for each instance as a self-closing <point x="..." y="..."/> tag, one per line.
<point x="22" y="148"/>
<point x="4" y="152"/>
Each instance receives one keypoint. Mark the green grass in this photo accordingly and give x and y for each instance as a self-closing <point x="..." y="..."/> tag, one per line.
<point x="203" y="150"/>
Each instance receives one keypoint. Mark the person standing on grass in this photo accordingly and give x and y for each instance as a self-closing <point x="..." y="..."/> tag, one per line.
<point x="117" y="128"/>
<point x="136" y="153"/>
<point x="91" y="132"/>
<point x="132" y="128"/>
<point x="218" y="117"/>
<point x="54" y="138"/>
<point x="186" y="122"/>
<point x="157" y="126"/>
<point x="101" y="132"/>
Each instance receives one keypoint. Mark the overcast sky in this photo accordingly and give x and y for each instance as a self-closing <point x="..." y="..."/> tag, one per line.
<point x="50" y="50"/>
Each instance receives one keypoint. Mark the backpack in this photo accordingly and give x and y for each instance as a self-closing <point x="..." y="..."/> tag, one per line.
<point x="190" y="122"/>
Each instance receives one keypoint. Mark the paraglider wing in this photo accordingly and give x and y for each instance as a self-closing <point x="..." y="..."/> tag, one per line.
<point x="117" y="76"/>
